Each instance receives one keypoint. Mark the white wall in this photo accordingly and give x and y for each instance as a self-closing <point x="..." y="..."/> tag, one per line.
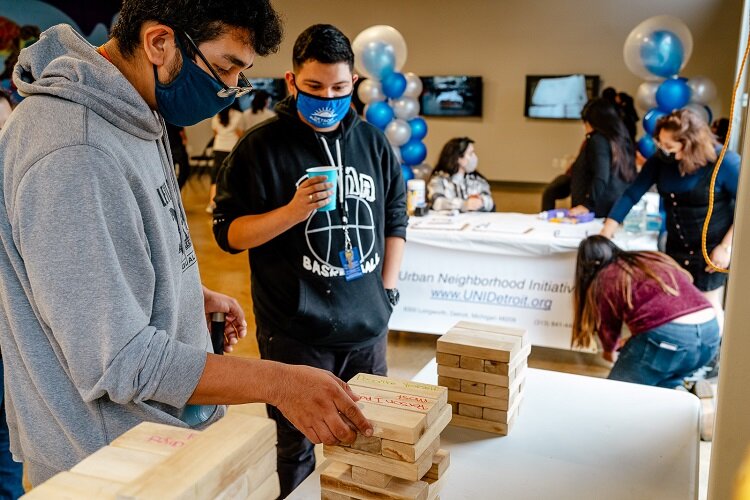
<point x="504" y="40"/>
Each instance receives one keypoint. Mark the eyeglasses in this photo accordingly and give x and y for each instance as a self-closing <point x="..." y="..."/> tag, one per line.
<point x="227" y="91"/>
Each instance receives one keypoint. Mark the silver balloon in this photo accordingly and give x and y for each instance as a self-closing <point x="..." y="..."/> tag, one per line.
<point x="370" y="90"/>
<point x="422" y="171"/>
<point x="379" y="33"/>
<point x="413" y="85"/>
<point x="703" y="90"/>
<point x="698" y="109"/>
<point x="405" y="108"/>
<point x="645" y="96"/>
<point x="398" y="132"/>
<point x="397" y="152"/>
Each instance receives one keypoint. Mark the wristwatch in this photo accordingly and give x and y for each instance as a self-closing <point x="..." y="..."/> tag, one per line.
<point x="393" y="296"/>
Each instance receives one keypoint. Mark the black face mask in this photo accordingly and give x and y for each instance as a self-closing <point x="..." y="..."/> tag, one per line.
<point x="666" y="156"/>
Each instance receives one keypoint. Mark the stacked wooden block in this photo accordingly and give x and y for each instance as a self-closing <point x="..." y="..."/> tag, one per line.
<point x="403" y="459"/>
<point x="483" y="367"/>
<point x="233" y="458"/>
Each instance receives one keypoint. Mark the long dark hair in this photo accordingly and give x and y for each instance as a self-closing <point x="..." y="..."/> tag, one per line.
<point x="452" y="151"/>
<point x="594" y="254"/>
<point x="260" y="101"/>
<point x="224" y="113"/>
<point x="604" y="118"/>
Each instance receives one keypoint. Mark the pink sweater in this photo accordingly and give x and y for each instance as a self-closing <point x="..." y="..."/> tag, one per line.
<point x="652" y="307"/>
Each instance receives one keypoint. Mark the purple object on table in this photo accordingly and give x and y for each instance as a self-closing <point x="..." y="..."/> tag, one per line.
<point x="561" y="213"/>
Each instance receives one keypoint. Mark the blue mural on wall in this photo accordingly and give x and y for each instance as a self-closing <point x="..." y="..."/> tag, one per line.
<point x="21" y="22"/>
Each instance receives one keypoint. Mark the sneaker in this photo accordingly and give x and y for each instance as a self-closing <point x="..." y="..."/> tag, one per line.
<point x="705" y="392"/>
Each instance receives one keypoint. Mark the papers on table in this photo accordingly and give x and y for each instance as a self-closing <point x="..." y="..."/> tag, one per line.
<point x="441" y="223"/>
<point x="503" y="227"/>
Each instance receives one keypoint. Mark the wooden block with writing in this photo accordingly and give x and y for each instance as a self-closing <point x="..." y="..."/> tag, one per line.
<point x="155" y="438"/>
<point x="337" y="478"/>
<point x="474" y="376"/>
<point x="410" y="453"/>
<point x="469" y="363"/>
<point x="440" y="463"/>
<point x="445" y="359"/>
<point x="68" y="485"/>
<point x="370" y="477"/>
<point x="393" y="423"/>
<point x="212" y="460"/>
<point x="429" y="407"/>
<point x="402" y="386"/>
<point x="469" y="410"/>
<point x="119" y="465"/>
<point x="472" y="387"/>
<point x="450" y="382"/>
<point x="397" y="468"/>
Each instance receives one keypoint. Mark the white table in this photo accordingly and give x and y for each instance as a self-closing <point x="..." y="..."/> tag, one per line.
<point x="500" y="268"/>
<point x="575" y="438"/>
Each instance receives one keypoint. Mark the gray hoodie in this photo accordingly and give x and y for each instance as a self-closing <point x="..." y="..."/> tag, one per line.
<point x="101" y="308"/>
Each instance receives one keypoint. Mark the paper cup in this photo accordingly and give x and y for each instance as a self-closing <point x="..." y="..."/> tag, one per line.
<point x="331" y="174"/>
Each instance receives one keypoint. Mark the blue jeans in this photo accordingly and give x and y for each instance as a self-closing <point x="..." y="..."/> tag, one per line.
<point x="667" y="354"/>
<point x="11" y="473"/>
<point x="295" y="453"/>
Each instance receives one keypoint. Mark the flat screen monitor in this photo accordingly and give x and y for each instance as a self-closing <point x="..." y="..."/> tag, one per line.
<point x="276" y="87"/>
<point x="559" y="97"/>
<point x="458" y="95"/>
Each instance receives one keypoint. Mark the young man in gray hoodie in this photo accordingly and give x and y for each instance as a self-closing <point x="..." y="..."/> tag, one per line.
<point x="102" y="313"/>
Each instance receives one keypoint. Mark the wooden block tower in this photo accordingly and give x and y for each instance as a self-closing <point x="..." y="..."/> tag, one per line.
<point x="484" y="368"/>
<point x="403" y="458"/>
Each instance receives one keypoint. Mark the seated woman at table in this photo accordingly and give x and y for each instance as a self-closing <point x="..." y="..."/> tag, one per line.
<point x="681" y="168"/>
<point x="674" y="328"/>
<point x="455" y="183"/>
<point x="605" y="166"/>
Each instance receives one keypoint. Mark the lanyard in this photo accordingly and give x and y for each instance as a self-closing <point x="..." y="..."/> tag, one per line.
<point x="342" y="192"/>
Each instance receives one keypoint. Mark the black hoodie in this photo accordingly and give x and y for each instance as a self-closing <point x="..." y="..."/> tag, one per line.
<point x="297" y="282"/>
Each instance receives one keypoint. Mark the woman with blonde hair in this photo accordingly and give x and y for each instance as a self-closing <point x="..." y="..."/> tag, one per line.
<point x="681" y="169"/>
<point x="673" y="326"/>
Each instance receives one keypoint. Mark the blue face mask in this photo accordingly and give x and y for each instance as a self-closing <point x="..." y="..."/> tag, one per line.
<point x="191" y="97"/>
<point x="322" y="112"/>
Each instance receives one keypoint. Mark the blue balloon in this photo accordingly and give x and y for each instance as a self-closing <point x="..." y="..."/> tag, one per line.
<point x="407" y="172"/>
<point x="413" y="152"/>
<point x="646" y="146"/>
<point x="650" y="119"/>
<point x="379" y="59"/>
<point x="418" y="128"/>
<point x="662" y="53"/>
<point x="672" y="94"/>
<point x="379" y="114"/>
<point x="394" y="85"/>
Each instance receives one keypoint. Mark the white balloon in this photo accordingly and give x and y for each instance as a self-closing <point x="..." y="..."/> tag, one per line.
<point x="413" y="85"/>
<point x="631" y="51"/>
<point x="405" y="108"/>
<point x="379" y="33"/>
<point x="645" y="96"/>
<point x="422" y="171"/>
<point x="702" y="89"/>
<point x="398" y="132"/>
<point x="700" y="110"/>
<point x="370" y="90"/>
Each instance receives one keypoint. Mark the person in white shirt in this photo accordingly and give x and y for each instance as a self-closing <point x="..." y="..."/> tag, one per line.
<point x="258" y="111"/>
<point x="228" y="126"/>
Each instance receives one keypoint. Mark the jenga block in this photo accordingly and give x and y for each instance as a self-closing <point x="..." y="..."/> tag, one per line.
<point x="446" y="359"/>
<point x="393" y="423"/>
<point x="483" y="401"/>
<point x="215" y="458"/>
<point x="495" y="415"/>
<point x="483" y="327"/>
<point x="472" y="387"/>
<point x="332" y="495"/>
<point x="410" y="453"/>
<point x="404" y="470"/>
<point x="420" y="404"/>
<point x="367" y="444"/>
<point x="440" y="463"/>
<point x="450" y="382"/>
<point x="261" y="470"/>
<point x="119" y="465"/>
<point x="494" y="346"/>
<point x="481" y="425"/>
<point x="454" y="407"/>
<point x="370" y="477"/>
<point x="500" y="368"/>
<point x="496" y="367"/>
<point x="504" y="392"/>
<point x="155" y="438"/>
<point x="474" y="376"/>
<point x="469" y="410"/>
<point x="469" y="363"/>
<point x="403" y="386"/>
<point x="337" y="478"/>
<point x="68" y="485"/>
<point x="270" y="489"/>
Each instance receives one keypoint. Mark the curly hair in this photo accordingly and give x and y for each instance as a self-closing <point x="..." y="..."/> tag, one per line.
<point x="202" y="20"/>
<point x="452" y="151"/>
<point x="698" y="142"/>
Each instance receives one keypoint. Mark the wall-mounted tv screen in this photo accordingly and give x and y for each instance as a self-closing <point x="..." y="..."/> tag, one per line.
<point x="451" y="96"/>
<point x="276" y="87"/>
<point x="559" y="96"/>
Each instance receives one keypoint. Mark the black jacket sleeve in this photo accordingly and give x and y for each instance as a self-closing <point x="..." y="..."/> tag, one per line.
<point x="396" y="219"/>
<point x="599" y="164"/>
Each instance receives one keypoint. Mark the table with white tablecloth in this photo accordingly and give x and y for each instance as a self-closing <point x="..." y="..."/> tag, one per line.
<point x="500" y="268"/>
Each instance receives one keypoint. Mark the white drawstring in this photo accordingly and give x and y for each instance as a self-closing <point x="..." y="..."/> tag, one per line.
<point x="342" y="183"/>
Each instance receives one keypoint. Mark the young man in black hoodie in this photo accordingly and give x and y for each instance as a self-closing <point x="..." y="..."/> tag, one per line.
<point x="323" y="282"/>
